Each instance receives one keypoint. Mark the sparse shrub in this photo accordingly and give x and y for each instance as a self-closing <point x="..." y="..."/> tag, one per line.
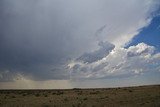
<point x="65" y="99"/>
<point x="76" y="88"/>
<point x="45" y="95"/>
<point x="37" y="95"/>
<point x="142" y="103"/>
<point x="79" y="104"/>
<point x="85" y="99"/>
<point x="7" y="92"/>
<point x="59" y="92"/>
<point x="73" y="105"/>
<point x="124" y="89"/>
<point x="102" y="98"/>
<point x="20" y="92"/>
<point x="130" y="91"/>
<point x="23" y="94"/>
<point x="94" y="92"/>
<point x="106" y="97"/>
<point x="53" y="93"/>
<point x="13" y="96"/>
<point x="45" y="105"/>
<point x="79" y="93"/>
<point x="28" y="93"/>
<point x="5" y="97"/>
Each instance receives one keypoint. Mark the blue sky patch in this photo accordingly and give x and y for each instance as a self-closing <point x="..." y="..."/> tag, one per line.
<point x="149" y="35"/>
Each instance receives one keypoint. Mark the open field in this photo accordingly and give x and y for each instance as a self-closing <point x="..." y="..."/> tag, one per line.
<point x="147" y="96"/>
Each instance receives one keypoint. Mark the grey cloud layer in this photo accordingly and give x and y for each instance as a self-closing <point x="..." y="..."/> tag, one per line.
<point x="38" y="37"/>
<point x="105" y="48"/>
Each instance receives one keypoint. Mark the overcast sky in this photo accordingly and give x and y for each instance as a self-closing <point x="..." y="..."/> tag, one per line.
<point x="78" y="43"/>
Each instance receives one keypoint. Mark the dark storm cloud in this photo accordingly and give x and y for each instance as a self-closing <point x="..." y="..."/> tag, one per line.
<point x="37" y="36"/>
<point x="31" y="38"/>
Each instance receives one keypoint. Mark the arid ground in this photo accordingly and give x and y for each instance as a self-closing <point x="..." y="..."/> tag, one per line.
<point x="141" y="96"/>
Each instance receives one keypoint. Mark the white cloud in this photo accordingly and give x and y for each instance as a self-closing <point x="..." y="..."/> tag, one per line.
<point x="140" y="49"/>
<point x="120" y="62"/>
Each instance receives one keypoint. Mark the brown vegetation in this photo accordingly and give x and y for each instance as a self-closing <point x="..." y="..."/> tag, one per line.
<point x="147" y="96"/>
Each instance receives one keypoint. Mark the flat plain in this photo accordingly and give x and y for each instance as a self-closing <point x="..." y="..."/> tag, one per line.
<point x="139" y="96"/>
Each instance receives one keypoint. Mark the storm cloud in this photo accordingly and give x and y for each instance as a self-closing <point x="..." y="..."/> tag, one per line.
<point x="38" y="38"/>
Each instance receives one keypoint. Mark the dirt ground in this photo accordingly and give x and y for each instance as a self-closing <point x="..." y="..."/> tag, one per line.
<point x="142" y="96"/>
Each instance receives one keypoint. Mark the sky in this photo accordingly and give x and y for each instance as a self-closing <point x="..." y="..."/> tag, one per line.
<point x="56" y="44"/>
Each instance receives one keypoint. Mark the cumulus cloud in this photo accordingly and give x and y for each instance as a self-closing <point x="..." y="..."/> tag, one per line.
<point x="140" y="49"/>
<point x="119" y="63"/>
